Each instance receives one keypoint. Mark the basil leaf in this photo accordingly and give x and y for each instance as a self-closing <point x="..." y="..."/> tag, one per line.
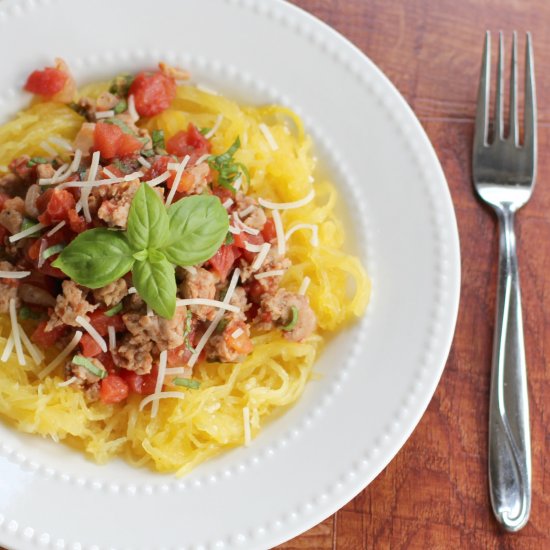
<point x="121" y="124"/>
<point x="37" y="160"/>
<point x="148" y="220"/>
<point x="140" y="256"/>
<point x="114" y="310"/>
<point x="82" y="361"/>
<point x="121" y="106"/>
<point x="198" y="227"/>
<point x="96" y="258"/>
<point x="147" y="153"/>
<point x="121" y="84"/>
<point x="155" y="256"/>
<point x="187" y="383"/>
<point x="27" y="223"/>
<point x="158" y="139"/>
<point x="156" y="284"/>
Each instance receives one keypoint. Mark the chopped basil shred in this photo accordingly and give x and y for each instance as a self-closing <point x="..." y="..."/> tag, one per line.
<point x="26" y="313"/>
<point x="293" y="321"/>
<point x="121" y="106"/>
<point x="87" y="364"/>
<point x="187" y="383"/>
<point x="37" y="160"/>
<point x="121" y="84"/>
<point x="226" y="166"/>
<point x="147" y="153"/>
<point x="187" y="332"/>
<point x="229" y="239"/>
<point x="114" y="310"/>
<point x="121" y="124"/>
<point x="158" y="139"/>
<point x="52" y="250"/>
<point x="204" y="131"/>
<point x="222" y="324"/>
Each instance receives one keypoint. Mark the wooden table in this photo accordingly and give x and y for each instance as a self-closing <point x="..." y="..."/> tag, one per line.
<point x="434" y="493"/>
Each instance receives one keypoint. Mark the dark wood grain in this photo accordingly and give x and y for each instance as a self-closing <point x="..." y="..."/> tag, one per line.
<point x="434" y="493"/>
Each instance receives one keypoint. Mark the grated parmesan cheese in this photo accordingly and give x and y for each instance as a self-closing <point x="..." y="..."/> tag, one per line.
<point x="201" y="159"/>
<point x="155" y="397"/>
<point x="206" y="89"/>
<point x="104" y="114"/>
<point x="207" y="302"/>
<point x="217" y="318"/>
<point x="134" y="115"/>
<point x="85" y="193"/>
<point x="246" y="211"/>
<point x="163" y="358"/>
<point x="112" y="337"/>
<point x="260" y="258"/>
<point x="268" y="137"/>
<point x="64" y="353"/>
<point x="237" y="183"/>
<point x="227" y="203"/>
<point x="67" y="382"/>
<point x="287" y="205"/>
<point x="272" y="273"/>
<point x="26" y="232"/>
<point x="16" y="333"/>
<point x="14" y="274"/>
<point x="34" y="352"/>
<point x="56" y="228"/>
<point x="314" y="232"/>
<point x="234" y="230"/>
<point x="190" y="269"/>
<point x="109" y="174"/>
<point x="304" y="286"/>
<point x="87" y="326"/>
<point x="132" y="290"/>
<point x="252" y="247"/>
<point x="237" y="332"/>
<point x="215" y="127"/>
<point x="176" y="182"/>
<point x="8" y="348"/>
<point x="241" y="225"/>
<point x="76" y="161"/>
<point x="144" y="162"/>
<point x="159" y="179"/>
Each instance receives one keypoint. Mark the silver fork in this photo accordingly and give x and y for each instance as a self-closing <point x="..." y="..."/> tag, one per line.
<point x="504" y="176"/>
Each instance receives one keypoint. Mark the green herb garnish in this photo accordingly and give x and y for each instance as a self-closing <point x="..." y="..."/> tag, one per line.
<point x="229" y="239"/>
<point x="121" y="106"/>
<point x="147" y="153"/>
<point x="158" y="139"/>
<point x="222" y="324"/>
<point x="37" y="160"/>
<point x="121" y="124"/>
<point x="52" y="250"/>
<point x="228" y="170"/>
<point x="188" y="233"/>
<point x="114" y="310"/>
<point x="204" y="131"/>
<point x="26" y="313"/>
<point x="121" y="84"/>
<point x="87" y="364"/>
<point x="126" y="167"/>
<point x="28" y="223"/>
<point x="187" y="332"/>
<point x="292" y="323"/>
<point x="187" y="383"/>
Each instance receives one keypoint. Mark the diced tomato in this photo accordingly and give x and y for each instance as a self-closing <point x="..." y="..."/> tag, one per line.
<point x="89" y="347"/>
<point x="47" y="339"/>
<point x="242" y="344"/>
<point x="223" y="260"/>
<point x="158" y="167"/>
<point x="100" y="322"/>
<point x="153" y="92"/>
<point x="107" y="361"/>
<point x="190" y="142"/>
<point x="55" y="205"/>
<point x="268" y="231"/>
<point x="47" y="82"/>
<point x="114" y="169"/>
<point x="255" y="290"/>
<point x="77" y="223"/>
<point x="222" y="193"/>
<point x="113" y="389"/>
<point x="240" y="241"/>
<point x="112" y="142"/>
<point x="142" y="384"/>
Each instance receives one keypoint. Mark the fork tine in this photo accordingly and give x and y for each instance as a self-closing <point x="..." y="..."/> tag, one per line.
<point x="498" y="92"/>
<point x="480" y="136"/>
<point x="513" y="136"/>
<point x="530" y="101"/>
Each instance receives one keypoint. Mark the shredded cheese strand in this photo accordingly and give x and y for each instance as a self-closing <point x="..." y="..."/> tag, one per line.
<point x="155" y="397"/>
<point x="132" y="111"/>
<point x="272" y="273"/>
<point x="287" y="205"/>
<point x="67" y="382"/>
<point x="26" y="232"/>
<point x="144" y="162"/>
<point x="8" y="348"/>
<point x="112" y="337"/>
<point x="48" y="148"/>
<point x="87" y="326"/>
<point x="56" y="140"/>
<point x="304" y="286"/>
<point x="206" y="302"/>
<point x="217" y="318"/>
<point x="56" y="228"/>
<point x="274" y="146"/>
<point x="59" y="359"/>
<point x="215" y="128"/>
<point x="34" y="352"/>
<point x="163" y="358"/>
<point x="260" y="258"/>
<point x="14" y="274"/>
<point x="159" y="179"/>
<point x="16" y="333"/>
<point x="314" y="230"/>
<point x="104" y="114"/>
<point x="85" y="193"/>
<point x="176" y="182"/>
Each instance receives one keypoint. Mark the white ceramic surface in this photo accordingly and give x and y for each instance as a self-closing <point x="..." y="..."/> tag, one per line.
<point x="378" y="376"/>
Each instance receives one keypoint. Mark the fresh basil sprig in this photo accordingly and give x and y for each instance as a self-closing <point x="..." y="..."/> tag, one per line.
<point x="189" y="232"/>
<point x="226" y="166"/>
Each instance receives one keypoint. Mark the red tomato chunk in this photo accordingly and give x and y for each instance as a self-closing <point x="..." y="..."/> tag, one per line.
<point x="47" y="339"/>
<point x="190" y="142"/>
<point x="153" y="93"/>
<point x="46" y="82"/>
<point x="113" y="389"/>
<point x="112" y="142"/>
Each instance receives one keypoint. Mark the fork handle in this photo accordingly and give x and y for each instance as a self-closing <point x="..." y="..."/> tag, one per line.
<point x="509" y="439"/>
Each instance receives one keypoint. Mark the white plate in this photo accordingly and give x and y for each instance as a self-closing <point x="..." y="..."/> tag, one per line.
<point x="378" y="376"/>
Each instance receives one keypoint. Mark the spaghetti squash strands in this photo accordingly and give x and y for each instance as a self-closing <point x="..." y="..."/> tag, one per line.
<point x="233" y="400"/>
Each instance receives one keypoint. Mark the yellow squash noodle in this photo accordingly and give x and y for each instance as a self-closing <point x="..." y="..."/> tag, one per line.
<point x="210" y="419"/>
